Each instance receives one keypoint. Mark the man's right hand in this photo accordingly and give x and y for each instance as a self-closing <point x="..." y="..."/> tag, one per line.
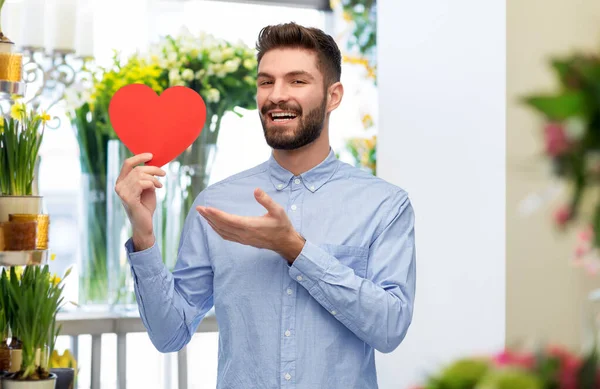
<point x="136" y="187"/>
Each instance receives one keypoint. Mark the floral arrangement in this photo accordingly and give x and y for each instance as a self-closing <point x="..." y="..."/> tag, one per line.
<point x="30" y="300"/>
<point x="223" y="73"/>
<point x="552" y="367"/>
<point x="363" y="15"/>
<point x="21" y="134"/>
<point x="364" y="152"/>
<point x="571" y="125"/>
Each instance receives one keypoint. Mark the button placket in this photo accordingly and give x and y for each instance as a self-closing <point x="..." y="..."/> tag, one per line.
<point x="288" y="319"/>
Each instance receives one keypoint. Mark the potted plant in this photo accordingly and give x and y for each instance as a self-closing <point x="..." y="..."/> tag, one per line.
<point x="21" y="134"/>
<point x="35" y="300"/>
<point x="65" y="368"/>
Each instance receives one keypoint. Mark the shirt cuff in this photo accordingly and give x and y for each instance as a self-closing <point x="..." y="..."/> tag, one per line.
<point x="146" y="263"/>
<point x="310" y="266"/>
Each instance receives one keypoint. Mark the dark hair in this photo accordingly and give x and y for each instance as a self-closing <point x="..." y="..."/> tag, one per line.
<point x="292" y="35"/>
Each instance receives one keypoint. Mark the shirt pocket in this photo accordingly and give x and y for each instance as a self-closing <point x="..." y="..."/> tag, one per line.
<point x="355" y="257"/>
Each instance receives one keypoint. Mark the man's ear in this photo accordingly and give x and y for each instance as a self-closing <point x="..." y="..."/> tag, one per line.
<point x="334" y="96"/>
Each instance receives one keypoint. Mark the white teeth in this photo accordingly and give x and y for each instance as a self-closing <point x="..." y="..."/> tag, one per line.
<point x="282" y="114"/>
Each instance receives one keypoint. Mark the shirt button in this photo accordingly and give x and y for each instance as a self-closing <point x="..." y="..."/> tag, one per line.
<point x="312" y="187"/>
<point x="333" y="312"/>
<point x="280" y="186"/>
<point x="294" y="207"/>
<point x="289" y="291"/>
<point x="299" y="278"/>
<point x="296" y="181"/>
<point x="287" y="333"/>
<point x="288" y="376"/>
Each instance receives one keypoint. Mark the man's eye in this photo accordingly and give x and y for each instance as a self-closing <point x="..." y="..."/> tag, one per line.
<point x="265" y="82"/>
<point x="298" y="81"/>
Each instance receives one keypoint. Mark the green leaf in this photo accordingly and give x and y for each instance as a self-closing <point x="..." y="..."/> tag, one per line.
<point x="559" y="107"/>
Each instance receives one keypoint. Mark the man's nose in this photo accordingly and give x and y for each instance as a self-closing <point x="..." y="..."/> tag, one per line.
<point x="279" y="93"/>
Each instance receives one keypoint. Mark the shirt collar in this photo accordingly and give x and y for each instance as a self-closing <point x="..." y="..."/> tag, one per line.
<point x="312" y="179"/>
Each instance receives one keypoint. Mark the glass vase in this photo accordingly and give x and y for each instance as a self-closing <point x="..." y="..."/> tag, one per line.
<point x="187" y="176"/>
<point x="120" y="283"/>
<point x="93" y="267"/>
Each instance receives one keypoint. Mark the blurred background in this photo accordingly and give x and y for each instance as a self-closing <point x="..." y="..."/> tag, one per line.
<point x="487" y="113"/>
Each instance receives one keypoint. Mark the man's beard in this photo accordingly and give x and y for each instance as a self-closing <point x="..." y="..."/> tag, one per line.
<point x="308" y="127"/>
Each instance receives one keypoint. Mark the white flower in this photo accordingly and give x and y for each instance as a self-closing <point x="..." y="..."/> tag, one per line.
<point x="187" y="74"/>
<point x="216" y="56"/>
<point x="213" y="96"/>
<point x="232" y="65"/>
<point x="172" y="56"/>
<point x="210" y="70"/>
<point x="163" y="63"/>
<point x="174" y="76"/>
<point x="248" y="64"/>
<point x="200" y="74"/>
<point x="228" y="53"/>
<point x="249" y="80"/>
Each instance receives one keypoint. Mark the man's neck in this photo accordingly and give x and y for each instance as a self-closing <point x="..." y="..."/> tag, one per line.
<point x="303" y="159"/>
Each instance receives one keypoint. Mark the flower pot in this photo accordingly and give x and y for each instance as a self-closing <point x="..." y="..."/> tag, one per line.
<point x="19" y="204"/>
<point x="48" y="383"/>
<point x="65" y="377"/>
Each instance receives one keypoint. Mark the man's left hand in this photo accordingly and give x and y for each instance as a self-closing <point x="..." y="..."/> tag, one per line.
<point x="273" y="230"/>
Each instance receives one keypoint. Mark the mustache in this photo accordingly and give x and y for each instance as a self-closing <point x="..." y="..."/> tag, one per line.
<point x="283" y="107"/>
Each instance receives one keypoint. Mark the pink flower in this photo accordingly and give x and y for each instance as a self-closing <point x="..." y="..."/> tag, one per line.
<point x="562" y="215"/>
<point x="569" y="366"/>
<point x="586" y="234"/>
<point x="513" y="358"/>
<point x="557" y="142"/>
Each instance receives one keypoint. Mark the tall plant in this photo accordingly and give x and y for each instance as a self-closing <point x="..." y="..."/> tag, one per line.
<point x="21" y="135"/>
<point x="570" y="135"/>
<point x="36" y="298"/>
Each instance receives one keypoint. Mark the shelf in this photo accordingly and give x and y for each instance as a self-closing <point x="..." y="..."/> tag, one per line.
<point x="23" y="258"/>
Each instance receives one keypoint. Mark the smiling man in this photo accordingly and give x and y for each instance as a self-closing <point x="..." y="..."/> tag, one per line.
<point x="308" y="261"/>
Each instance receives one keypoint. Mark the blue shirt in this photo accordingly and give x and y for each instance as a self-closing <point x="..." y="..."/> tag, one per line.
<point x="311" y="325"/>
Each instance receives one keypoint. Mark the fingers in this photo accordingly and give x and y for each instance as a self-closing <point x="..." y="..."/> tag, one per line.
<point x="148" y="177"/>
<point x="131" y="162"/>
<point x="222" y="218"/>
<point x="155" y="171"/>
<point x="224" y="234"/>
<point x="146" y="184"/>
<point x="267" y="202"/>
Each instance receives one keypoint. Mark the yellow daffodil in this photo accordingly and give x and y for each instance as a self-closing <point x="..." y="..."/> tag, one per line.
<point x="45" y="117"/>
<point x="367" y="121"/>
<point x="55" y="280"/>
<point x="53" y="256"/>
<point x="18" y="111"/>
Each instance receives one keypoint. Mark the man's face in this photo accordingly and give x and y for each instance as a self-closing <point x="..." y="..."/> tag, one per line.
<point x="291" y="98"/>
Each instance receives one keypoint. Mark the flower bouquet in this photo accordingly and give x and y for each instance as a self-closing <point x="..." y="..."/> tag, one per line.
<point x="571" y="139"/>
<point x="364" y="152"/>
<point x="548" y="368"/>
<point x="223" y="73"/>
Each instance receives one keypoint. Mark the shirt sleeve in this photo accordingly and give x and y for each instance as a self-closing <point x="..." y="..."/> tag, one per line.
<point x="378" y="308"/>
<point x="172" y="304"/>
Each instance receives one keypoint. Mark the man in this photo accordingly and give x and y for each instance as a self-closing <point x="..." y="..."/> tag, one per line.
<point x="308" y="261"/>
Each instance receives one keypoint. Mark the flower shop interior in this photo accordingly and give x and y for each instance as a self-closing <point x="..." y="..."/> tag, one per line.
<point x="481" y="111"/>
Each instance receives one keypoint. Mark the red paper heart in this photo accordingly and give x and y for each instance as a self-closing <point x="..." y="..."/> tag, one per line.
<point x="163" y="125"/>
